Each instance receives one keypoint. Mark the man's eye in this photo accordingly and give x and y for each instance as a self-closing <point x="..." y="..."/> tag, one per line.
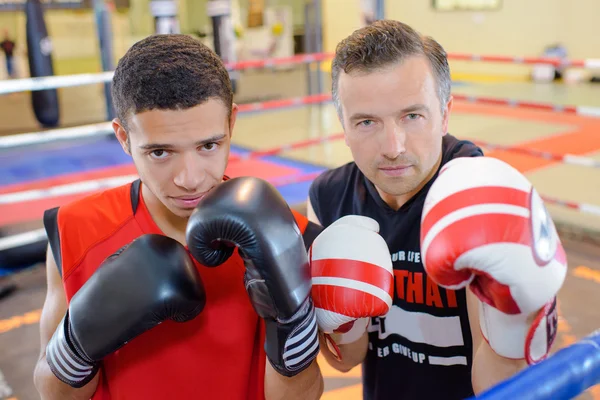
<point x="413" y="116"/>
<point x="366" y="122"/>
<point x="210" y="146"/>
<point x="159" y="154"/>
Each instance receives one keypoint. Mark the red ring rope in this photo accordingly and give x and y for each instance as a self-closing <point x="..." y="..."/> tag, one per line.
<point x="316" y="57"/>
<point x="583" y="207"/>
<point x="284" y="103"/>
<point x="272" y="62"/>
<point x="54" y="82"/>
<point x="564" y="158"/>
<point x="280" y="149"/>
<point x="568" y="109"/>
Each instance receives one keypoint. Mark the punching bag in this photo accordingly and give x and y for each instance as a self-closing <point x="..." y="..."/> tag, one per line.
<point x="165" y="16"/>
<point x="44" y="102"/>
<point x="219" y="12"/>
<point x="104" y="29"/>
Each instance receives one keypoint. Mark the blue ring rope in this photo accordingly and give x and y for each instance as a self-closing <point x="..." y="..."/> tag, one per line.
<point x="564" y="375"/>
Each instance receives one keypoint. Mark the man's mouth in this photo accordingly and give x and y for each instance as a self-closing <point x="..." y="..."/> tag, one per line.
<point x="395" y="170"/>
<point x="189" y="201"/>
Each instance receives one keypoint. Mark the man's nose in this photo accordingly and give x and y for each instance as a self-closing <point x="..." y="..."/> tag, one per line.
<point x="394" y="141"/>
<point x="189" y="174"/>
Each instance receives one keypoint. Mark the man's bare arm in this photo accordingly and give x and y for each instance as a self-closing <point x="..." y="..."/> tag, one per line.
<point x="351" y="354"/>
<point x="307" y="385"/>
<point x="489" y="368"/>
<point x="55" y="307"/>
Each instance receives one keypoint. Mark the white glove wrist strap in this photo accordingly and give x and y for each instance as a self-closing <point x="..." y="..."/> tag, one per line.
<point x="358" y="329"/>
<point x="515" y="336"/>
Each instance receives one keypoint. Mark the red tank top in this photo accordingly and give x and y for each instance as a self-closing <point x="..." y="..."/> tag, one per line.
<point x="218" y="355"/>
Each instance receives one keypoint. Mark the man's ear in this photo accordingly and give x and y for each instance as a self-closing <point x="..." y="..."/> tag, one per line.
<point x="233" y="118"/>
<point x="121" y="135"/>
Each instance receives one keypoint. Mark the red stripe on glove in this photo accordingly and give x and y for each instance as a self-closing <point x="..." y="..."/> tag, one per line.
<point x="460" y="237"/>
<point x="472" y="197"/>
<point x="355" y="270"/>
<point x="347" y="301"/>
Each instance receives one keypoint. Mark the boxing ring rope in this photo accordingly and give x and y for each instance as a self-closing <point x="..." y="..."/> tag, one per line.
<point x="107" y="183"/>
<point x="30" y="237"/>
<point x="571" y="159"/>
<point x="591" y="63"/>
<point x="584" y="111"/>
<point x="57" y="82"/>
<point x="287" y="147"/>
<point x="55" y="135"/>
<point x="71" y="188"/>
<point x="53" y="82"/>
<point x="67" y="189"/>
<point x="563" y="375"/>
<point x="27" y="238"/>
<point x="104" y="128"/>
<point x="566" y="374"/>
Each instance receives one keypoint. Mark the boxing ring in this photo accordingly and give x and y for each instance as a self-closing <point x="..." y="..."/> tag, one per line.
<point x="565" y="374"/>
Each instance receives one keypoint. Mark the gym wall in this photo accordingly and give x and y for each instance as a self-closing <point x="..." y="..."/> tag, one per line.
<point x="340" y="18"/>
<point x="534" y="24"/>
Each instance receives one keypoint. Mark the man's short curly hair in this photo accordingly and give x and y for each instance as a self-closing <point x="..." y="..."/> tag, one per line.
<point x="168" y="72"/>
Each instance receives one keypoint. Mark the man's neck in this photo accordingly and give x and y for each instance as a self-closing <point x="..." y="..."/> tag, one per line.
<point x="396" y="202"/>
<point x="170" y="224"/>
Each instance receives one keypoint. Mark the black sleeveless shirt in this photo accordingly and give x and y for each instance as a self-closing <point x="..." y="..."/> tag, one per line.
<point x="422" y="349"/>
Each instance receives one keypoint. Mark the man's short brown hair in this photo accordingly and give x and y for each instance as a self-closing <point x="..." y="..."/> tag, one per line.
<point x="387" y="42"/>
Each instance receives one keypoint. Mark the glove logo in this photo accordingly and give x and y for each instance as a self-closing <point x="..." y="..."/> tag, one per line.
<point x="543" y="231"/>
<point x="551" y="322"/>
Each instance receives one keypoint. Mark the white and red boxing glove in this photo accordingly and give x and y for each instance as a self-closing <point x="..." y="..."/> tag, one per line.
<point x="484" y="225"/>
<point x="352" y="277"/>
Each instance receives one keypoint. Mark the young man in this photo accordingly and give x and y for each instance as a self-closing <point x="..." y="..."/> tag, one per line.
<point x="391" y="88"/>
<point x="119" y="267"/>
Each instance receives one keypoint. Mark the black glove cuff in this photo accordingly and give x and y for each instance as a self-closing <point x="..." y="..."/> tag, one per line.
<point x="66" y="360"/>
<point x="292" y="345"/>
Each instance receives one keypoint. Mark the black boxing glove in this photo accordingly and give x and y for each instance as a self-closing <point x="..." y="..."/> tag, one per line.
<point x="147" y="282"/>
<point x="250" y="214"/>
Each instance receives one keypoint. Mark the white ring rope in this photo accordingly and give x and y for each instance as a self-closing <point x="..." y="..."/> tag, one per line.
<point x="66" y="189"/>
<point x="57" y="82"/>
<point x="105" y="128"/>
<point x="31" y="237"/>
<point x="52" y="135"/>
<point x="22" y="239"/>
<point x="53" y="82"/>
